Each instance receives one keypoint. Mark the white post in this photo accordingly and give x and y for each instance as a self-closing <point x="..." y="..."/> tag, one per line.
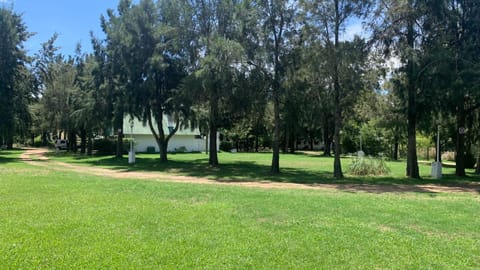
<point x="437" y="166"/>
<point x="131" y="154"/>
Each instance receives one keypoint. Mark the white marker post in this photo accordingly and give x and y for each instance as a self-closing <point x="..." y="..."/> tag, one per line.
<point x="437" y="166"/>
<point x="131" y="153"/>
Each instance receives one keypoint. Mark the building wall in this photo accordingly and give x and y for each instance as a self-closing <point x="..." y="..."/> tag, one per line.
<point x="191" y="143"/>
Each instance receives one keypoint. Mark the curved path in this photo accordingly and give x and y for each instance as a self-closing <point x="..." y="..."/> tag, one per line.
<point x="36" y="157"/>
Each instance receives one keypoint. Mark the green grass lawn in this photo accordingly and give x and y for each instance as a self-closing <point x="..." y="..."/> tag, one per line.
<point x="296" y="168"/>
<point x="62" y="220"/>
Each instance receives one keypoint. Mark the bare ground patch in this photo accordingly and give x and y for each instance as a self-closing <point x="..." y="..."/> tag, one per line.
<point x="36" y="156"/>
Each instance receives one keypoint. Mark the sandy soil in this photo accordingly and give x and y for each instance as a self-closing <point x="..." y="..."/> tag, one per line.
<point x="36" y="157"/>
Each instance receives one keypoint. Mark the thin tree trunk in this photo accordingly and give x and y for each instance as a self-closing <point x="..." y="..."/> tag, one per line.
<point x="212" y="155"/>
<point x="412" y="161"/>
<point x="395" y="148"/>
<point x="460" y="144"/>
<point x="89" y="143"/>
<point x="83" y="141"/>
<point x="337" y="164"/>
<point x="327" y="142"/>
<point x="275" y="169"/>
<point x="119" y="127"/>
<point x="9" y="141"/>
<point x="477" y="166"/>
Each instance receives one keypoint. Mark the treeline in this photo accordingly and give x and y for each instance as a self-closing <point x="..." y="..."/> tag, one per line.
<point x="265" y="73"/>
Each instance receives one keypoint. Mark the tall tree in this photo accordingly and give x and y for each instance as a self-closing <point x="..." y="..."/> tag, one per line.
<point x="272" y="32"/>
<point x="403" y="29"/>
<point x="330" y="18"/>
<point x="461" y="34"/>
<point x="219" y="61"/>
<point x="12" y="63"/>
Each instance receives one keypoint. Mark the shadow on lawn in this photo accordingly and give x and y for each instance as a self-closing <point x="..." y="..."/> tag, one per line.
<point x="250" y="171"/>
<point x="8" y="156"/>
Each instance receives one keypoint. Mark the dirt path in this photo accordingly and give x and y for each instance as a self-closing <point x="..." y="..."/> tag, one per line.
<point x="36" y="157"/>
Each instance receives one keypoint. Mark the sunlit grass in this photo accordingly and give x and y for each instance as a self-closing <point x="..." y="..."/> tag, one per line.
<point x="304" y="168"/>
<point x="53" y="219"/>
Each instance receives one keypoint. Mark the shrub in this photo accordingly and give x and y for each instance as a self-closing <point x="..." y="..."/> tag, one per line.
<point x="369" y="166"/>
<point x="226" y="146"/>
<point x="181" y="149"/>
<point x="449" y="156"/>
<point x="108" y="146"/>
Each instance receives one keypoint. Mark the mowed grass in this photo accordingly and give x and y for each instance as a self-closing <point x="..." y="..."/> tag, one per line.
<point x="304" y="168"/>
<point x="62" y="220"/>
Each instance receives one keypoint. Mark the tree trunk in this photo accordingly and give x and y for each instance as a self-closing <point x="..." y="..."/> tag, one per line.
<point x="162" y="146"/>
<point x="119" y="126"/>
<point x="477" y="166"/>
<point x="327" y="140"/>
<point x="213" y="129"/>
<point x="83" y="141"/>
<point x="337" y="164"/>
<point x="72" y="141"/>
<point x="275" y="169"/>
<point x="89" y="143"/>
<point x="412" y="162"/>
<point x="212" y="155"/>
<point x="460" y="144"/>
<point x="395" y="148"/>
<point x="9" y="142"/>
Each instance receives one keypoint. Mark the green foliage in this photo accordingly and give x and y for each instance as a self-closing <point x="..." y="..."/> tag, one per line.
<point x="362" y="166"/>
<point x="15" y="89"/>
<point x="226" y="146"/>
<point x="105" y="147"/>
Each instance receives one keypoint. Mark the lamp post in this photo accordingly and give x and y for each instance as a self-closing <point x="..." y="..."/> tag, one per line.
<point x="131" y="153"/>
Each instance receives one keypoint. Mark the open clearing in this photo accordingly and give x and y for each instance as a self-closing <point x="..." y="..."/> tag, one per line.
<point x="75" y="217"/>
<point x="36" y="156"/>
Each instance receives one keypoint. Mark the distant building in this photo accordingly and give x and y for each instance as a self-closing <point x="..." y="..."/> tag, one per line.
<point x="184" y="140"/>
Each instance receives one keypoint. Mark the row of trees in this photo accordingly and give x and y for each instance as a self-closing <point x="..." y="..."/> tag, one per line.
<point x="260" y="70"/>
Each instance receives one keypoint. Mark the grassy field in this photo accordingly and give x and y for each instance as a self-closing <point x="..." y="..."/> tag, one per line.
<point x="296" y="168"/>
<point x="63" y="220"/>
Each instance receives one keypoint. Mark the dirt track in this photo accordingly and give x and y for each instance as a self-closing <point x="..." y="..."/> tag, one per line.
<point x="36" y="157"/>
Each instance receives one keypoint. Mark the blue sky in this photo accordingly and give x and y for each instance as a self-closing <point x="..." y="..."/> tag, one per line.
<point x="72" y="20"/>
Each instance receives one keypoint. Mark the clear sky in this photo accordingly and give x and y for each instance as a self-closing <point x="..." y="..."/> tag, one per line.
<point x="71" y="19"/>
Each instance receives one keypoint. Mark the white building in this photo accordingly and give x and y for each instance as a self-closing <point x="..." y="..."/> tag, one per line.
<point x="184" y="140"/>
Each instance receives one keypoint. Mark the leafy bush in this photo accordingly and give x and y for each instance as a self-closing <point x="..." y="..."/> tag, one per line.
<point x="226" y="146"/>
<point x="369" y="166"/>
<point x="470" y="160"/>
<point x="105" y="147"/>
<point x="181" y="149"/>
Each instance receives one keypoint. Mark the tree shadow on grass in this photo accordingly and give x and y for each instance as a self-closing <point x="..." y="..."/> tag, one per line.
<point x="8" y="156"/>
<point x="250" y="171"/>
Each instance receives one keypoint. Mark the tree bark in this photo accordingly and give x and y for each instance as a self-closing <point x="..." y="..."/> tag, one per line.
<point x="213" y="129"/>
<point x="119" y="126"/>
<point x="395" y="148"/>
<point x="89" y="143"/>
<point x="212" y="154"/>
<point x="337" y="164"/>
<point x="275" y="169"/>
<point x="412" y="162"/>
<point x="460" y="144"/>
<point x="327" y="140"/>
<point x="83" y="141"/>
